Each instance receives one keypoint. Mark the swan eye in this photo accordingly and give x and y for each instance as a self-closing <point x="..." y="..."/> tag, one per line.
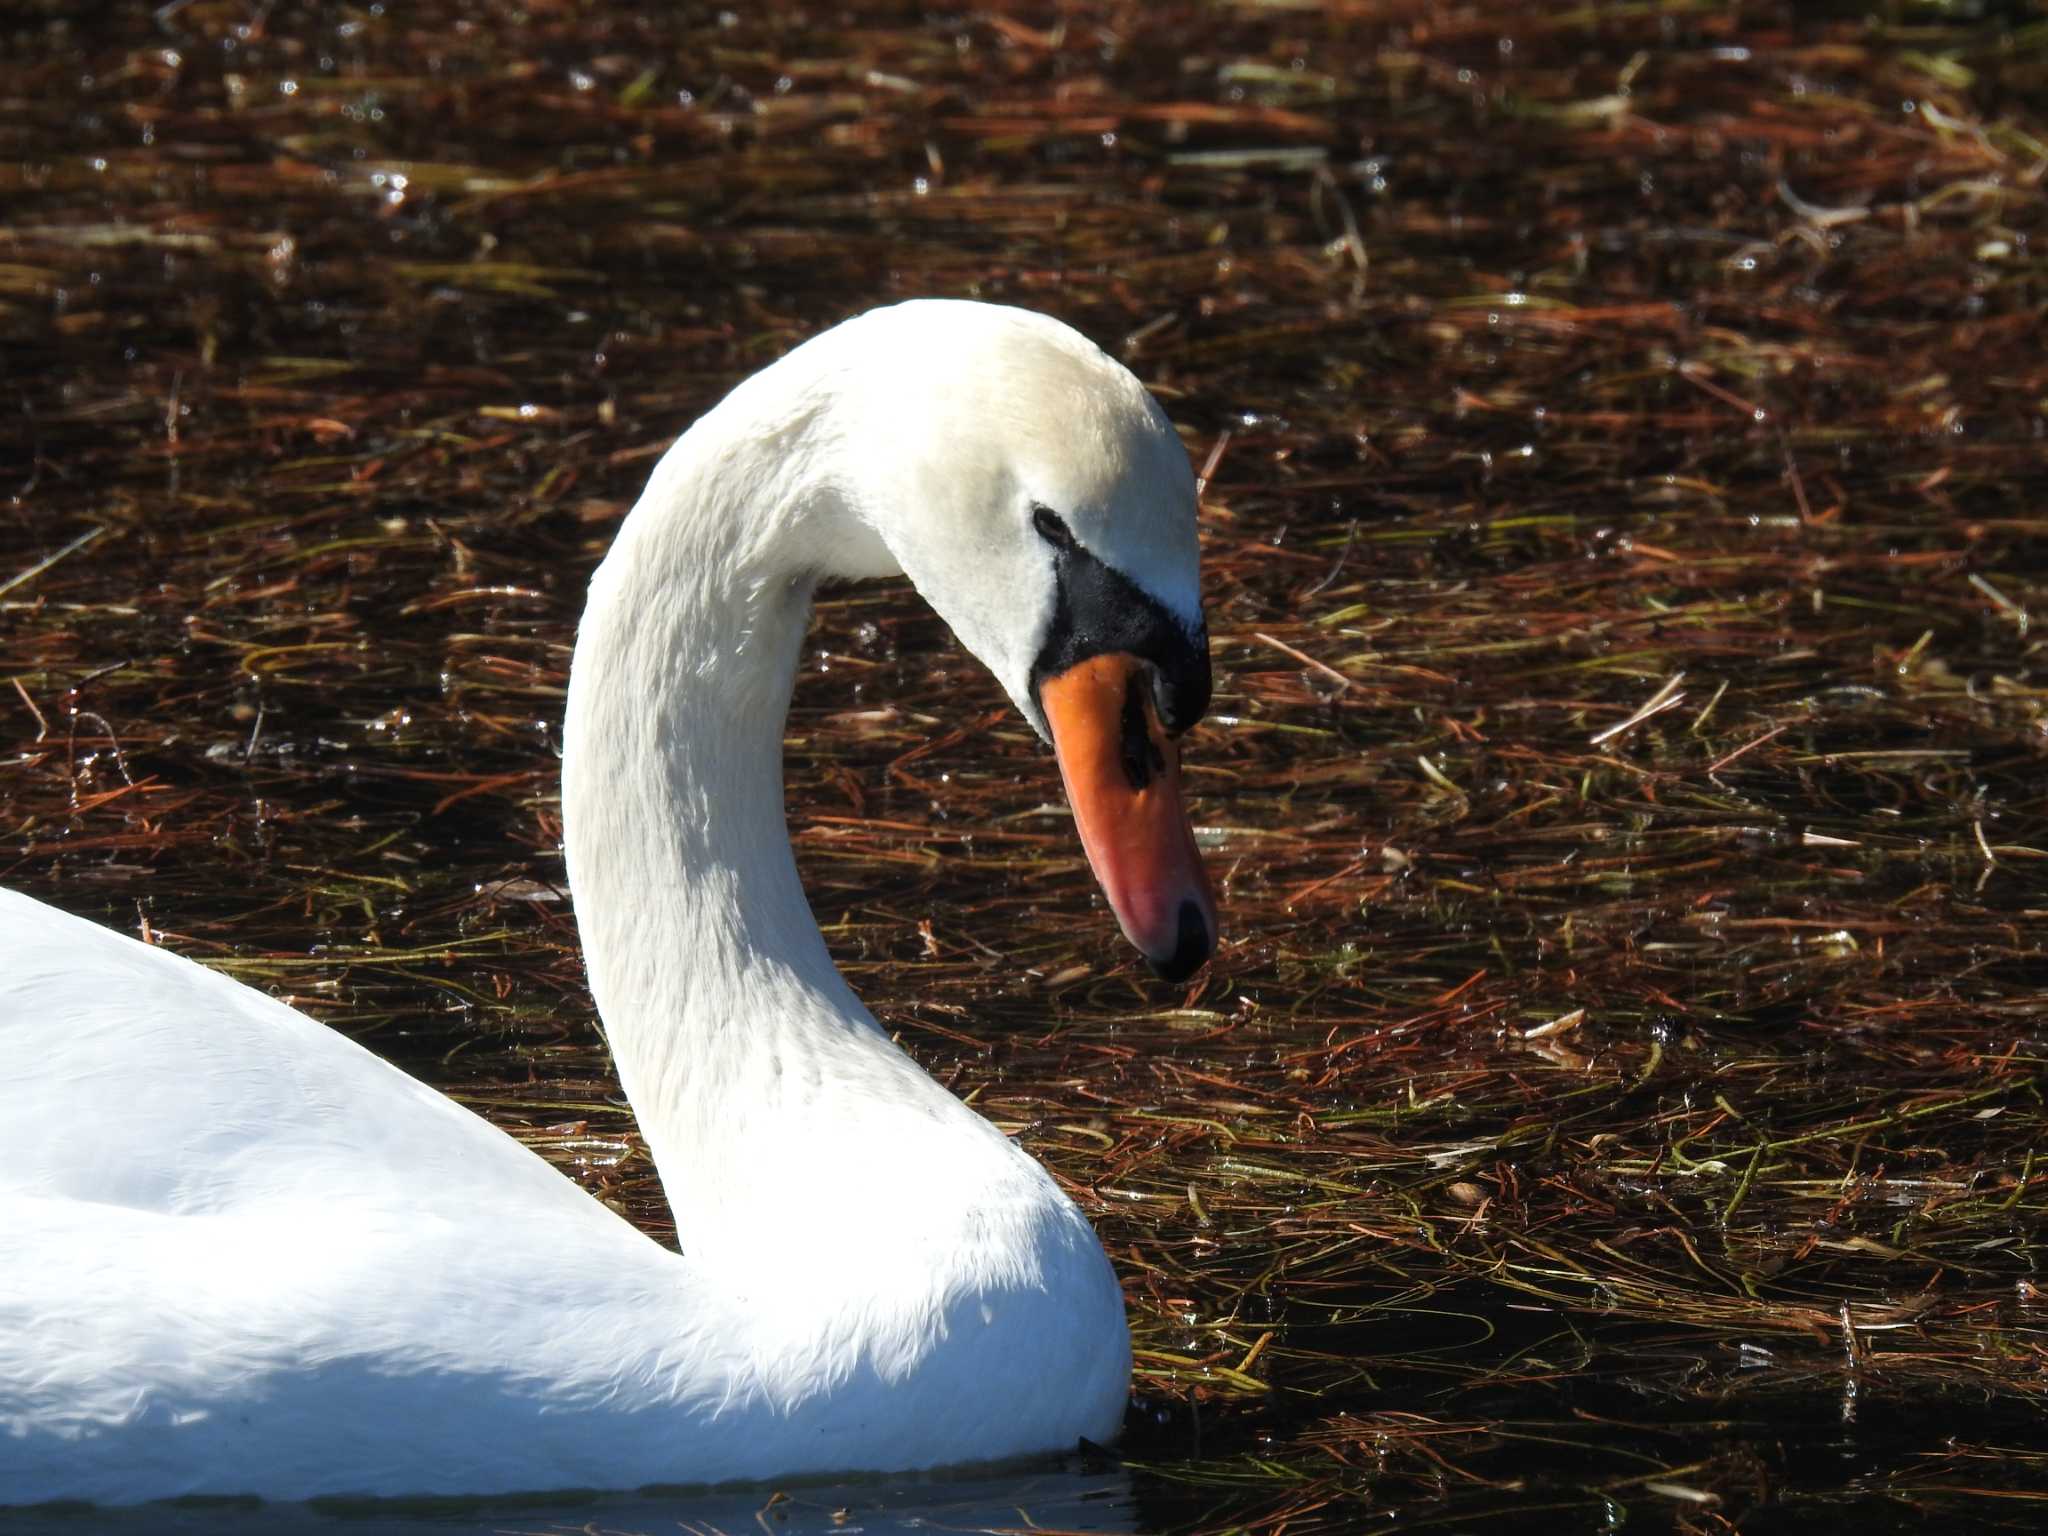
<point x="1051" y="527"/>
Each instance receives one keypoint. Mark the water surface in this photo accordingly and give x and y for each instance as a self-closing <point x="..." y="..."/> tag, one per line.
<point x="1618" y="1103"/>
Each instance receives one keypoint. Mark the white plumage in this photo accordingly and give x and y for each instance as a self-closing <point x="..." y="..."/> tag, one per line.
<point x="240" y="1254"/>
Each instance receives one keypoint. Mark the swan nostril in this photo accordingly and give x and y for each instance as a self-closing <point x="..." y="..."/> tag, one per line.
<point x="1142" y="760"/>
<point x="1192" y="945"/>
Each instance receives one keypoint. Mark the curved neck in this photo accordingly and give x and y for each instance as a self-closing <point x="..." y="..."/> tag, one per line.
<point x="757" y="1076"/>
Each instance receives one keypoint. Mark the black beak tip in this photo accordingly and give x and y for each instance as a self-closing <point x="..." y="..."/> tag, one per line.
<point x="1193" y="945"/>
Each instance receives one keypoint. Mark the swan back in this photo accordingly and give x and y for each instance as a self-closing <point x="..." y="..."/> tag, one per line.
<point x="167" y="1088"/>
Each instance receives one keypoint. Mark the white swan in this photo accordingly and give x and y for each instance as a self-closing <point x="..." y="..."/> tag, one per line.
<point x="241" y="1255"/>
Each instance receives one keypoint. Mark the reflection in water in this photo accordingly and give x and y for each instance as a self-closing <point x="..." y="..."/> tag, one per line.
<point x="1097" y="1501"/>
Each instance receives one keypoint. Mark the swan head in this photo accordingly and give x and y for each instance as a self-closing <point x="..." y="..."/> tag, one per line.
<point x="1040" y="500"/>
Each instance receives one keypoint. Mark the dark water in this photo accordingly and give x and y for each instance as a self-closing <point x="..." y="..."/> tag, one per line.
<point x="1051" y="1500"/>
<point x="1618" y="1104"/>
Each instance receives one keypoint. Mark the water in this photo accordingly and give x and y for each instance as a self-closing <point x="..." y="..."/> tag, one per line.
<point x="1065" y="1501"/>
<point x="1617" y="1105"/>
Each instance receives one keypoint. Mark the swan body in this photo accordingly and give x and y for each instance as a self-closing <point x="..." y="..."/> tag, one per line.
<point x="240" y="1254"/>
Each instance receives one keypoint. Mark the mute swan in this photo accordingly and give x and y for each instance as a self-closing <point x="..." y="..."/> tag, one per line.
<point x="241" y="1255"/>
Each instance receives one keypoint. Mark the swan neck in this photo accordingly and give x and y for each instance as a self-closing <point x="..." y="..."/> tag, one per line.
<point x="722" y="1007"/>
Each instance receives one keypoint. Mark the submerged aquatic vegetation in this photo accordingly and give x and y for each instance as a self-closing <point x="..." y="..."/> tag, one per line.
<point x="1623" y="430"/>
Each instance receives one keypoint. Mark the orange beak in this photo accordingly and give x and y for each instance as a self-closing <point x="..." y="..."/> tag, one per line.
<point x="1123" y="779"/>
